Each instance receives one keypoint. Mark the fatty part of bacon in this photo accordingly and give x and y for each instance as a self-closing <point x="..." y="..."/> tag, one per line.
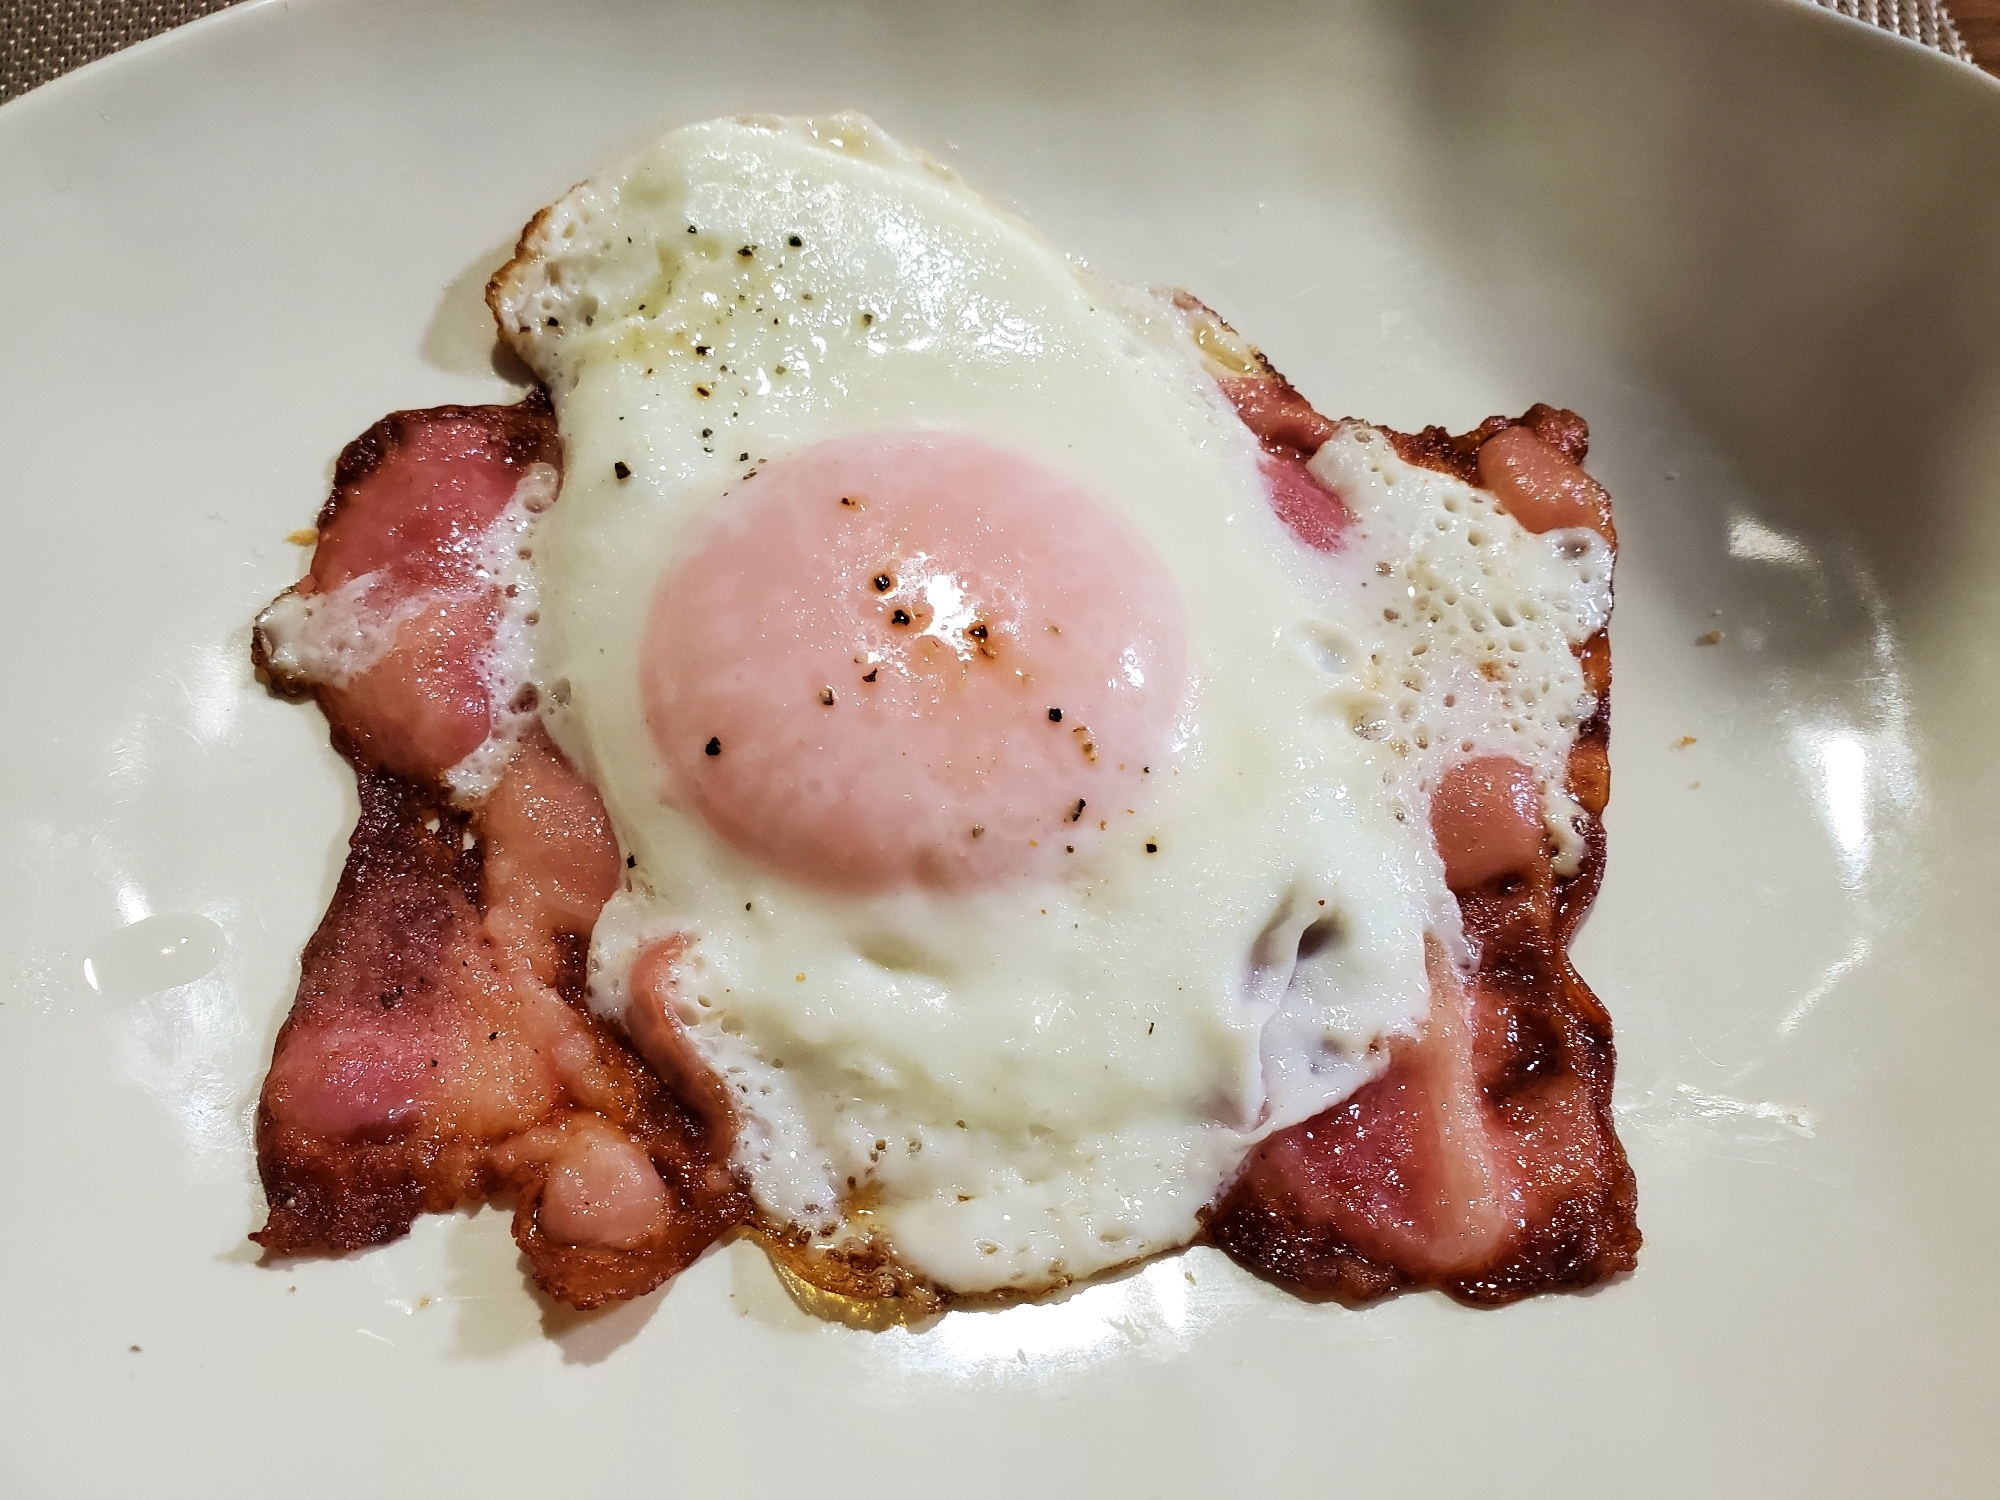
<point x="1486" y="820"/>
<point x="1290" y="432"/>
<point x="1538" y="485"/>
<point x="414" y="503"/>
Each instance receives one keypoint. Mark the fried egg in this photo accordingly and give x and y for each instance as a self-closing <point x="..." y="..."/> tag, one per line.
<point x="1034" y="820"/>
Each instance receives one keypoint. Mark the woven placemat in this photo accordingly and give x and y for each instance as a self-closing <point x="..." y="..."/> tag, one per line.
<point x="44" y="39"/>
<point x="1926" y="21"/>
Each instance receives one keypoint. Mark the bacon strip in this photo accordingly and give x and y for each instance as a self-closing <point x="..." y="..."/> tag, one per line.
<point x="1484" y="1162"/>
<point x="439" y="1051"/>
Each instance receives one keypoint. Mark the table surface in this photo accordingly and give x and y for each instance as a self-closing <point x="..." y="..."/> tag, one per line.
<point x="1979" y="28"/>
<point x="42" y="39"/>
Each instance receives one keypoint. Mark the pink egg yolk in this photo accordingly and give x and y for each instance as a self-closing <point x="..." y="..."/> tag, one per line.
<point x="915" y="660"/>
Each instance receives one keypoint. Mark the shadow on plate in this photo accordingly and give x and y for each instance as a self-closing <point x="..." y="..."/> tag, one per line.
<point x="1845" y="360"/>
<point x="460" y="337"/>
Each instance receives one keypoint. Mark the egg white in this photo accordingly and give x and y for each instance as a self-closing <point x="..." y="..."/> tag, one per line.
<point x="1015" y="1087"/>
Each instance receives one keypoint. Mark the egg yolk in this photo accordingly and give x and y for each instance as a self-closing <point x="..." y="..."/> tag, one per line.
<point x="914" y="660"/>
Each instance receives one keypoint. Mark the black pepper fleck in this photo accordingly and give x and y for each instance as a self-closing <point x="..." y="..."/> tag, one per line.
<point x="871" y="674"/>
<point x="884" y="582"/>
<point x="631" y="862"/>
<point x="713" y="747"/>
<point x="900" y="617"/>
<point x="621" y="469"/>
<point x="826" y="696"/>
<point x="1152" y="848"/>
<point x="1077" y="811"/>
<point x="1055" y="716"/>
<point x="794" y="241"/>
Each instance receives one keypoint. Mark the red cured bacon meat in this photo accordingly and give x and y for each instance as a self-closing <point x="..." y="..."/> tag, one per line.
<point x="438" y="1051"/>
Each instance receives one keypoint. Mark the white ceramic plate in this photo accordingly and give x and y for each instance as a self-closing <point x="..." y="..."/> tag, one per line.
<point x="1757" y="246"/>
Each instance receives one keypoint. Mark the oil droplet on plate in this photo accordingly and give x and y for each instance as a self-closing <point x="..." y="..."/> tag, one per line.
<point x="155" y="954"/>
